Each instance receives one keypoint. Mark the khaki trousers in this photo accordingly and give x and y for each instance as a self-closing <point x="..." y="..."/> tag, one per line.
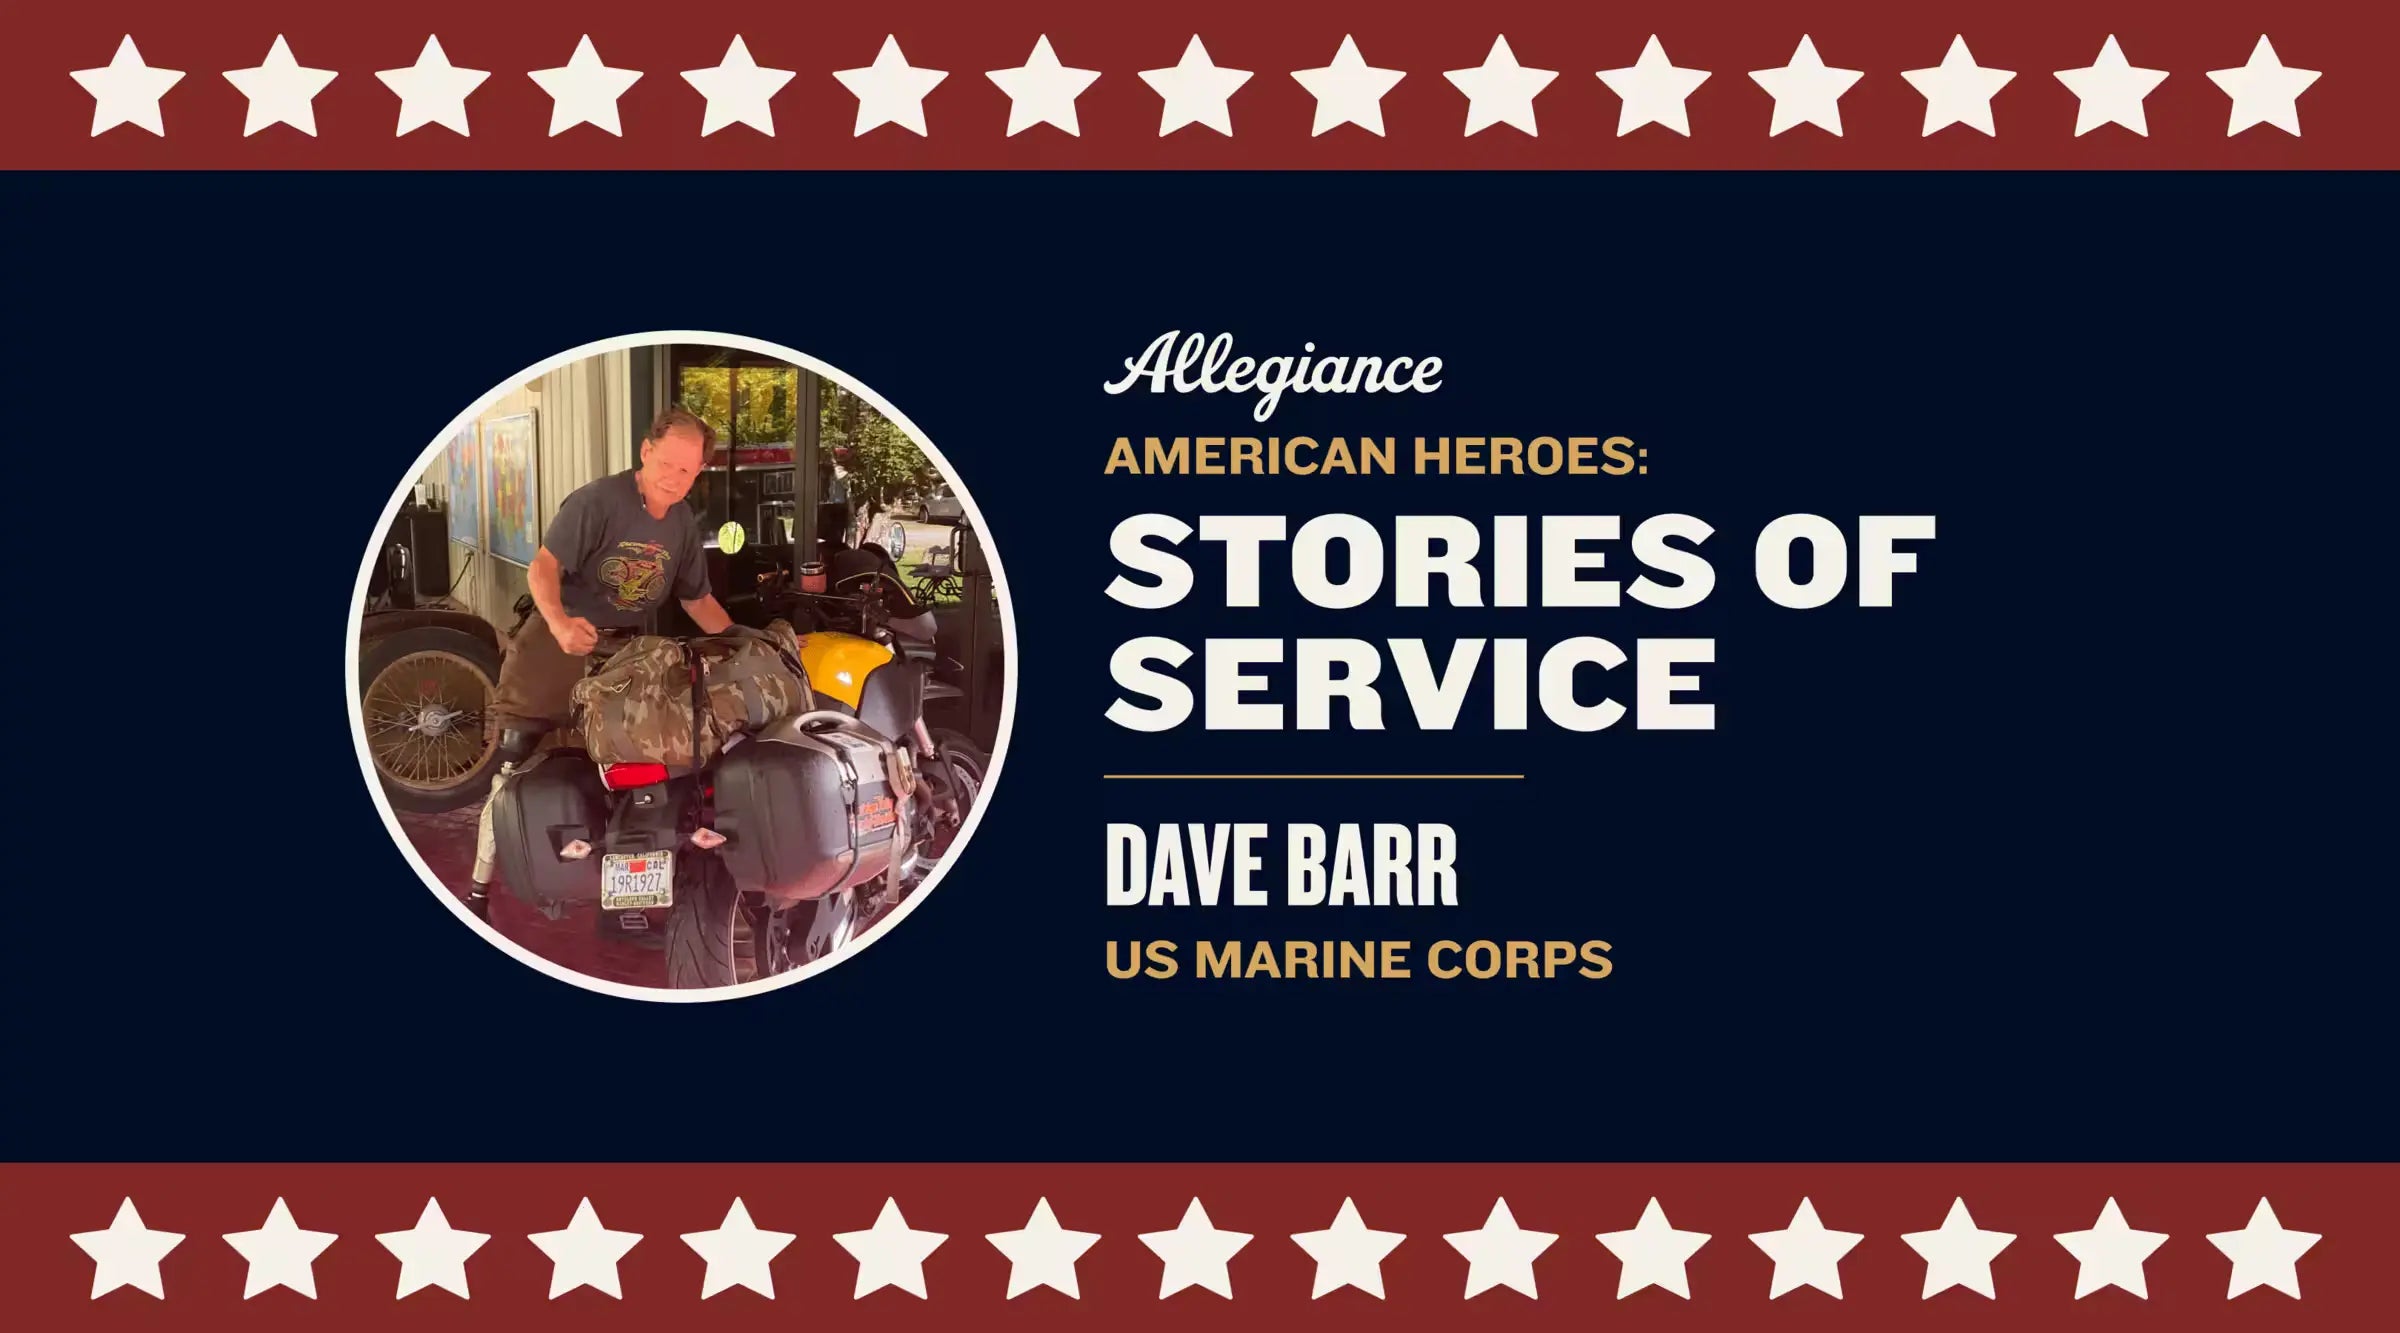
<point x="537" y="680"/>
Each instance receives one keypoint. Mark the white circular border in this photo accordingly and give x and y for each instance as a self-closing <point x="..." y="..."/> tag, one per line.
<point x="391" y="821"/>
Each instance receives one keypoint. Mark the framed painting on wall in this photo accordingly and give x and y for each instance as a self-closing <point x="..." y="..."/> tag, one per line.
<point x="509" y="463"/>
<point x="463" y="485"/>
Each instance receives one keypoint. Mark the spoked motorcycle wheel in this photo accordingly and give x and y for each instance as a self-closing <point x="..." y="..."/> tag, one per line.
<point x="700" y="951"/>
<point x="423" y="693"/>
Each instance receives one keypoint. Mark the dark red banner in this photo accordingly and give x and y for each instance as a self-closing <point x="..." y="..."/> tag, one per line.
<point x="2187" y="1248"/>
<point x="1076" y="84"/>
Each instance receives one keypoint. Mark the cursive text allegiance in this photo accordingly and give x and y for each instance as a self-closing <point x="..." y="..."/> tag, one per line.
<point x="1200" y="364"/>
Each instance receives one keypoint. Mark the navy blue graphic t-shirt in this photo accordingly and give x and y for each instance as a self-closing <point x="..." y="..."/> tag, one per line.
<point x="617" y="563"/>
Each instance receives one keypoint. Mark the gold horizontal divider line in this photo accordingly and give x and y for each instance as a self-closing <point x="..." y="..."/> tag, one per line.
<point x="1313" y="777"/>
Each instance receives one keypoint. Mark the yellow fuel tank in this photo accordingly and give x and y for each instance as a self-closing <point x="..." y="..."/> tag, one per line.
<point x="838" y="664"/>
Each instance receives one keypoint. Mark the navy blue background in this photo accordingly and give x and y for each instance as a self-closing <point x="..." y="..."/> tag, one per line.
<point x="2073" y="854"/>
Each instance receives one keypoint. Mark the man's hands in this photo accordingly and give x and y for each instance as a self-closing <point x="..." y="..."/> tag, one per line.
<point x="708" y="615"/>
<point x="573" y="634"/>
<point x="576" y="636"/>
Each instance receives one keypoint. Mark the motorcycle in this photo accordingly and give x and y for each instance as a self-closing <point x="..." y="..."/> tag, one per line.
<point x="792" y="841"/>
<point x="876" y="604"/>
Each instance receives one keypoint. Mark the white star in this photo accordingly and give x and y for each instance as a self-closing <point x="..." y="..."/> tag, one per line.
<point x="1958" y="1254"/>
<point x="1653" y="1253"/>
<point x="1500" y="91"/>
<point x="2264" y="1254"/>
<point x="1500" y="1254"/>
<point x="2108" y="90"/>
<point x="433" y="91"/>
<point x="2111" y="1253"/>
<point x="432" y="1253"/>
<point x="738" y="1253"/>
<point x="280" y="1254"/>
<point x="1652" y="89"/>
<point x="738" y="90"/>
<point x="891" y="91"/>
<point x="1806" y="1254"/>
<point x="584" y="91"/>
<point x="1348" y="1254"/>
<point x="585" y="1254"/>
<point x="2265" y="92"/>
<point x="1958" y="91"/>
<point x="1042" y="1253"/>
<point x="1349" y="91"/>
<point x="125" y="91"/>
<point x="889" y="1254"/>
<point x="1196" y="90"/>
<point x="1196" y="1254"/>
<point x="127" y="1254"/>
<point x="1042" y="90"/>
<point x="1806" y="91"/>
<point x="281" y="91"/>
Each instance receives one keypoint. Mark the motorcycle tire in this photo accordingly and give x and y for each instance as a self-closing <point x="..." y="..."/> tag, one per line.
<point x="969" y="762"/>
<point x="964" y="773"/>
<point x="455" y="785"/>
<point x="770" y="941"/>
<point x="700" y="928"/>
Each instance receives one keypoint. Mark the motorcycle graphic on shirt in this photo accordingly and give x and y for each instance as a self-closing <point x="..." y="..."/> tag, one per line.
<point x="634" y="574"/>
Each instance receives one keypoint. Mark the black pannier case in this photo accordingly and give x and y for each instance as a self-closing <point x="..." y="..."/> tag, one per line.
<point x="807" y="808"/>
<point x="557" y="798"/>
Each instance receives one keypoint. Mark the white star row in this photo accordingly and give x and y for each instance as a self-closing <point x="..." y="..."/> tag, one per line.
<point x="1198" y="1253"/>
<point x="1197" y="91"/>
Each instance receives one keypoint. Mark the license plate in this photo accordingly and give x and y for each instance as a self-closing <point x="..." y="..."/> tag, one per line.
<point x="628" y="882"/>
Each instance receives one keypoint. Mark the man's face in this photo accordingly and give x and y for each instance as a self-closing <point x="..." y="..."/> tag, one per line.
<point x="673" y="463"/>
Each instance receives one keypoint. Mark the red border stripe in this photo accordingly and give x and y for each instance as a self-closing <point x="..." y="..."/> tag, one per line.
<point x="2347" y="1278"/>
<point x="2347" y="117"/>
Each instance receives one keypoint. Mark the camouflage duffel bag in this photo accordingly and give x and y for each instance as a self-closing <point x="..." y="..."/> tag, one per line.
<point x="639" y="708"/>
<point x="752" y="677"/>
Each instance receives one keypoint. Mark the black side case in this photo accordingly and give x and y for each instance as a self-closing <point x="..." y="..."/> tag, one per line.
<point x="807" y="811"/>
<point x="557" y="798"/>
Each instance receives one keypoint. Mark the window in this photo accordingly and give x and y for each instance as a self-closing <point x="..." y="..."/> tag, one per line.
<point x="752" y="404"/>
<point x="870" y="465"/>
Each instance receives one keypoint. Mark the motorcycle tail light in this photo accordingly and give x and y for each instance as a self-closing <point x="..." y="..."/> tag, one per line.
<point x="618" y="777"/>
<point x="575" y="851"/>
<point x="707" y="839"/>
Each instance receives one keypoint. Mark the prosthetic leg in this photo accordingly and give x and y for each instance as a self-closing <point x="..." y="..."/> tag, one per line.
<point x="516" y="746"/>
